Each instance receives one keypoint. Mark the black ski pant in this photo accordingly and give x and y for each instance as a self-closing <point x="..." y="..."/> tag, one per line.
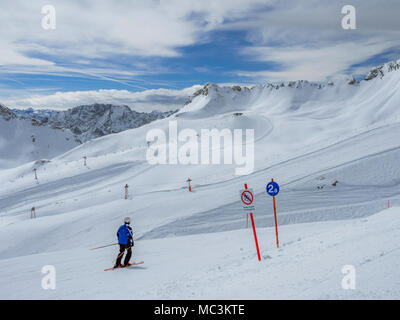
<point x="122" y="248"/>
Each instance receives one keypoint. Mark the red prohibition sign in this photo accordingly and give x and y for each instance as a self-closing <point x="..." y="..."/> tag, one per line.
<point x="247" y="197"/>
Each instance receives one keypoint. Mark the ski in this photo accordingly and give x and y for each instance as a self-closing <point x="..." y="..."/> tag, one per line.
<point x="130" y="265"/>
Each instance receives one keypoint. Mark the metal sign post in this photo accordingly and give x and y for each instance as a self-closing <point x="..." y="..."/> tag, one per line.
<point x="126" y="191"/>
<point x="33" y="213"/>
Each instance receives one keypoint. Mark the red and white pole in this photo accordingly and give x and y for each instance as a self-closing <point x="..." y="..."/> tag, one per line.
<point x="254" y="232"/>
<point x="255" y="236"/>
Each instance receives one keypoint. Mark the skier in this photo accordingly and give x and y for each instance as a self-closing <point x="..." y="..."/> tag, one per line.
<point x="125" y="240"/>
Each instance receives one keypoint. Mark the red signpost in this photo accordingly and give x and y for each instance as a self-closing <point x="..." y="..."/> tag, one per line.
<point x="247" y="198"/>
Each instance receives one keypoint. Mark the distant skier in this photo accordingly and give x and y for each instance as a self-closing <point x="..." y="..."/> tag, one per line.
<point x="125" y="240"/>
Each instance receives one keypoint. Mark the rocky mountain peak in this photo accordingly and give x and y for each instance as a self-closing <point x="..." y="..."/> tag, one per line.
<point x="382" y="70"/>
<point x="6" y="113"/>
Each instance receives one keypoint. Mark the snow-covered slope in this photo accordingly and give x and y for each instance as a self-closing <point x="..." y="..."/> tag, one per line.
<point x="24" y="140"/>
<point x="333" y="149"/>
<point x="308" y="265"/>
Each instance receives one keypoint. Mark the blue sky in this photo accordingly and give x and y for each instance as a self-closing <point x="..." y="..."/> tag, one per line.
<point x="138" y="52"/>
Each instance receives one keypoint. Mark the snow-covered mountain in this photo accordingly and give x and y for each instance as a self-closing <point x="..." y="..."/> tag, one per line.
<point x="332" y="148"/>
<point x="23" y="140"/>
<point x="96" y="120"/>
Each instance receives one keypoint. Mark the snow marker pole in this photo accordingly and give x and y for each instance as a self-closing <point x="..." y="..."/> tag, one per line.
<point x="276" y="221"/>
<point x="108" y="245"/>
<point x="276" y="224"/>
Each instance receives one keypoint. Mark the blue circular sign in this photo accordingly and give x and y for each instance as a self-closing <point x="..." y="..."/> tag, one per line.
<point x="272" y="188"/>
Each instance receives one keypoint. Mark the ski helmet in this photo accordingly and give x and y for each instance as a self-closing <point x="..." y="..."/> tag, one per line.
<point x="127" y="220"/>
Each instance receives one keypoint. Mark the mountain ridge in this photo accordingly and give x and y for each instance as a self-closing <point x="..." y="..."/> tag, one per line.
<point x="375" y="72"/>
<point x="94" y="120"/>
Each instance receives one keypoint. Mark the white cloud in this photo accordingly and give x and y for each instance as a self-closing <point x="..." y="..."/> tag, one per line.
<point x="113" y="39"/>
<point x="102" y="29"/>
<point x="148" y="100"/>
<point x="313" y="64"/>
<point x="305" y="40"/>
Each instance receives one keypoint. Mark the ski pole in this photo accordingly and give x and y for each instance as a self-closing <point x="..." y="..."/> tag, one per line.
<point x="122" y="253"/>
<point x="108" y="245"/>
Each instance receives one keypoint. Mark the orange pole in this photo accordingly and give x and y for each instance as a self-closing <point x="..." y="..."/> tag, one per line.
<point x="276" y="224"/>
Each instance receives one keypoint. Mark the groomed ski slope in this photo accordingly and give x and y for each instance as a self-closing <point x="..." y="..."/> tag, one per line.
<point x="194" y="244"/>
<point x="308" y="265"/>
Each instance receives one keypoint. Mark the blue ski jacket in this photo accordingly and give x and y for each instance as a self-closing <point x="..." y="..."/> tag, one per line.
<point x="124" y="234"/>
